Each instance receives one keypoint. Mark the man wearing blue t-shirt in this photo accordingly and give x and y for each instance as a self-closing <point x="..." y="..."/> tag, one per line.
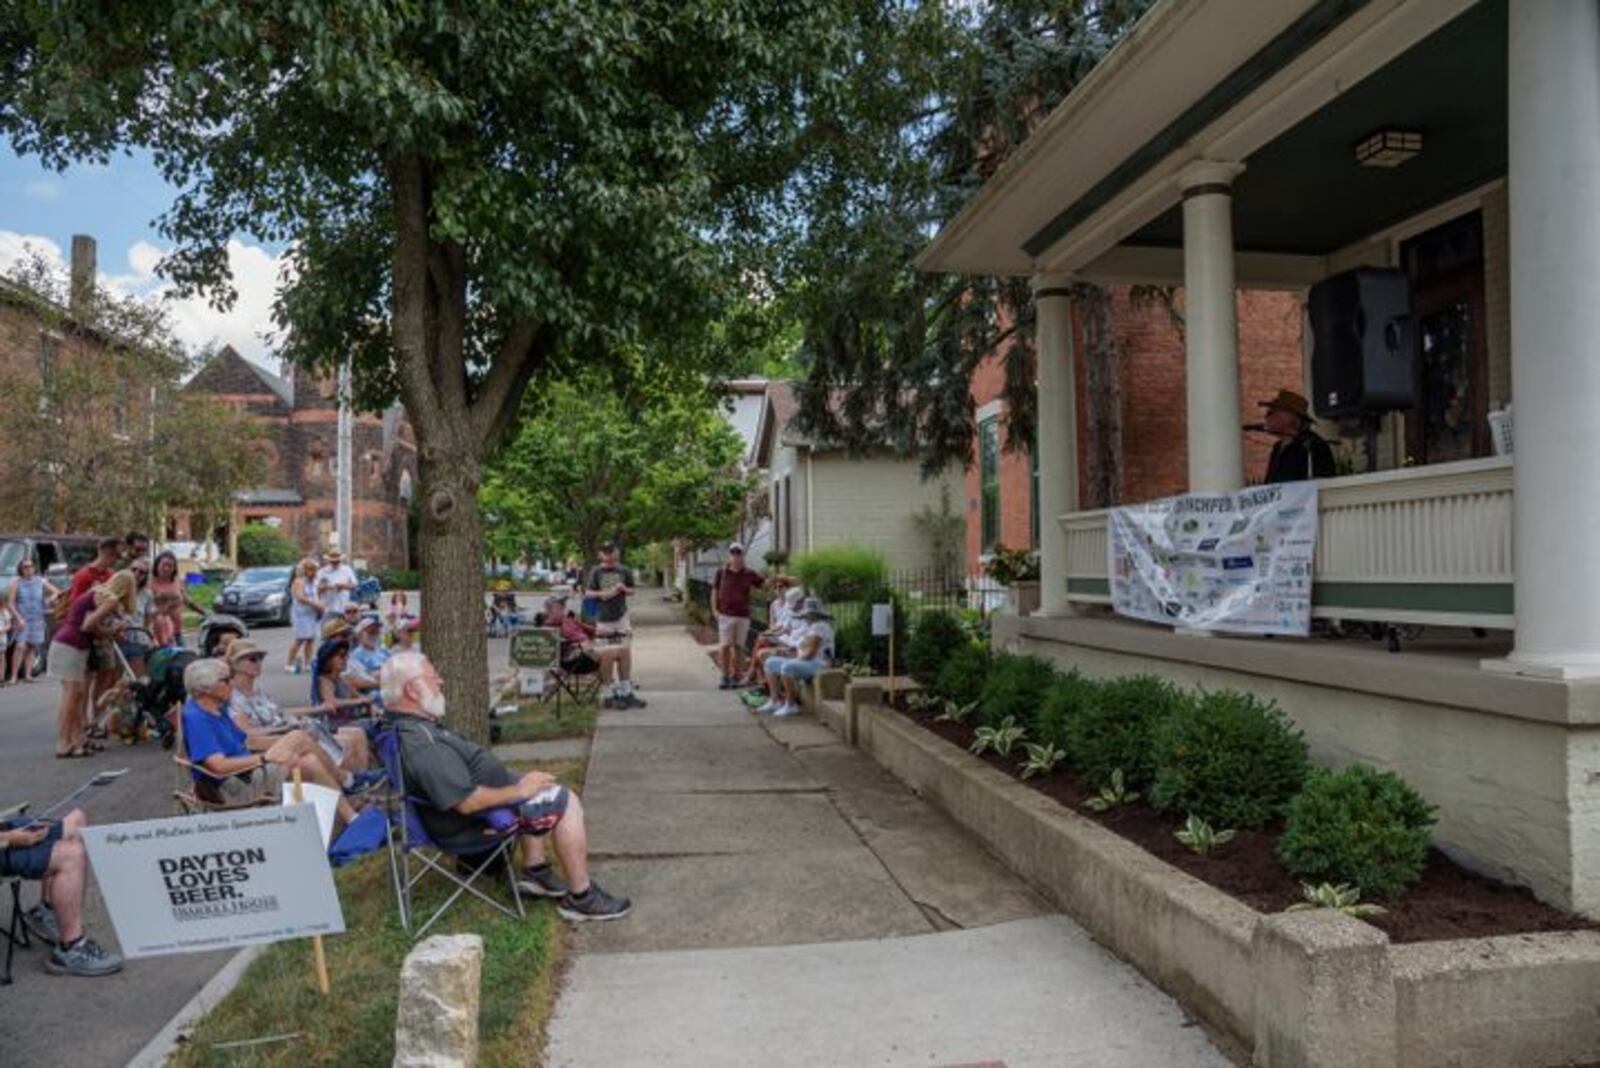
<point x="213" y="742"/>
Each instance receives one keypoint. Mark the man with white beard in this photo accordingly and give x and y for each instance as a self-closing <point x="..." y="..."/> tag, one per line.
<point x="460" y="779"/>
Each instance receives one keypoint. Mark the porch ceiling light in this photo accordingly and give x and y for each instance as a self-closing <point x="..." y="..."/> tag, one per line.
<point x="1388" y="148"/>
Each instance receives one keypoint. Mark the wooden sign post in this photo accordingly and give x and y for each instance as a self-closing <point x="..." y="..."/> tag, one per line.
<point x="318" y="956"/>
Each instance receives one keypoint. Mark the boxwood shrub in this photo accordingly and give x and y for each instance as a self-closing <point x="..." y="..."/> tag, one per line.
<point x="962" y="677"/>
<point x="1230" y="758"/>
<point x="1016" y="687"/>
<point x="1115" y="726"/>
<point x="1062" y="703"/>
<point x="1360" y="826"/>
<point x="934" y="640"/>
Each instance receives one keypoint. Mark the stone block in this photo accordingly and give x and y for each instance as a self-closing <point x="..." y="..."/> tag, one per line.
<point x="436" y="1024"/>
<point x="857" y="695"/>
<point x="1325" y="994"/>
<point x="831" y="684"/>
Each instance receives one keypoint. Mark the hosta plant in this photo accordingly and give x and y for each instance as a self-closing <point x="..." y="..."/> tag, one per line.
<point x="1201" y="837"/>
<point x="954" y="713"/>
<point x="1341" y="897"/>
<point x="1112" y="796"/>
<point x="1042" y="759"/>
<point x="1001" y="737"/>
<point x="922" y="700"/>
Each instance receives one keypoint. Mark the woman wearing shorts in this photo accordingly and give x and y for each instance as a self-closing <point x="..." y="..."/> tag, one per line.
<point x="69" y="657"/>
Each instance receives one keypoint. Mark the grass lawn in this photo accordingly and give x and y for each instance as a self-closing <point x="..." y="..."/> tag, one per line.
<point x="537" y="722"/>
<point x="355" y="1025"/>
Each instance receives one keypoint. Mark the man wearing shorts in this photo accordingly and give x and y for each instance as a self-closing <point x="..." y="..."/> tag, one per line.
<point x="813" y="654"/>
<point x="51" y="852"/>
<point x="610" y="584"/>
<point x="460" y="779"/>
<point x="730" y="602"/>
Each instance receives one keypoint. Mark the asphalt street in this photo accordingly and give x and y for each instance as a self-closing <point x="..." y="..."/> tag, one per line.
<point x="51" y="1020"/>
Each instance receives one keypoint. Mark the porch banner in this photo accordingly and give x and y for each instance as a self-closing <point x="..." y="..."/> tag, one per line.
<point x="1237" y="562"/>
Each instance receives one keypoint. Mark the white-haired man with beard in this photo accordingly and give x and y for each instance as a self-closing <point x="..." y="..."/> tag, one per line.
<point x="460" y="779"/>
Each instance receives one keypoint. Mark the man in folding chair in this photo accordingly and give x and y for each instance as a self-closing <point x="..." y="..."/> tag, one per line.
<point x="51" y="852"/>
<point x="459" y="779"/>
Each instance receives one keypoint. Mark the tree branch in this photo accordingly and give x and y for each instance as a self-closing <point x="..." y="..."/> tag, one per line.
<point x="500" y="394"/>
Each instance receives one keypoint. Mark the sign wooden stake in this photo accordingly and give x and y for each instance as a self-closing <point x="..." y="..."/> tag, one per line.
<point x="318" y="956"/>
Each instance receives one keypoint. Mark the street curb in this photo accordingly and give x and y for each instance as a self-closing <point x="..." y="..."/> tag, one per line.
<point x="166" y="1042"/>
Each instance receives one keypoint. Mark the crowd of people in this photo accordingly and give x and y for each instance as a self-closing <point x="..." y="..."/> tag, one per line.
<point x="797" y="644"/>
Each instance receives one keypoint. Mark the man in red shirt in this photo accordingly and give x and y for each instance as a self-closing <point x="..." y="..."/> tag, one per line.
<point x="730" y="600"/>
<point x="97" y="571"/>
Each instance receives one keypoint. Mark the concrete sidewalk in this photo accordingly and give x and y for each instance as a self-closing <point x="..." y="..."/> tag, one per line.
<point x="794" y="904"/>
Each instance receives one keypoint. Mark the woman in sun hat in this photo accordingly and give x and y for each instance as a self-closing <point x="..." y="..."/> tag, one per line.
<point x="813" y="653"/>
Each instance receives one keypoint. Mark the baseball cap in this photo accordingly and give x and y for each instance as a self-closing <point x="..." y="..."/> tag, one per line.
<point x="736" y="547"/>
<point x="608" y="546"/>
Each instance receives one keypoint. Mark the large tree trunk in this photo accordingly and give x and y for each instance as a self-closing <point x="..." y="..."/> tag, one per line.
<point x="450" y="550"/>
<point x="1103" y="398"/>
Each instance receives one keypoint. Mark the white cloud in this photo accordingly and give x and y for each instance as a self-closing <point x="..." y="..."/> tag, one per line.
<point x="43" y="189"/>
<point x="194" y="320"/>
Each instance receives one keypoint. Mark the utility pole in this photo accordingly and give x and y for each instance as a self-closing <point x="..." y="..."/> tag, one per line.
<point x="345" y="478"/>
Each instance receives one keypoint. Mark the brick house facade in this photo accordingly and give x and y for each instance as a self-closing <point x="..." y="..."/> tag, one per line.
<point x="301" y="416"/>
<point x="1154" y="453"/>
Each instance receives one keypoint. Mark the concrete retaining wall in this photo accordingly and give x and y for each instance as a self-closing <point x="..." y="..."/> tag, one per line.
<point x="1515" y="796"/>
<point x="1300" y="989"/>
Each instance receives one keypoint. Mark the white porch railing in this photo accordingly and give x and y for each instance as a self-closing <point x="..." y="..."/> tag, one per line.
<point x="1418" y="545"/>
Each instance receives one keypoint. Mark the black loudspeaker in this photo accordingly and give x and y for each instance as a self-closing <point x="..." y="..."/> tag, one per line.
<point x="1363" y="352"/>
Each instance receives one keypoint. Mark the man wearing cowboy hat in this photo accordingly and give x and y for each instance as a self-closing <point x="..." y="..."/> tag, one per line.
<point x="335" y="582"/>
<point x="1298" y="454"/>
<point x="813" y="653"/>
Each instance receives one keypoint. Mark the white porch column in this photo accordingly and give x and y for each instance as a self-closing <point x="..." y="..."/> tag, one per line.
<point x="1216" y="442"/>
<point x="1057" y="438"/>
<point x="1554" y="190"/>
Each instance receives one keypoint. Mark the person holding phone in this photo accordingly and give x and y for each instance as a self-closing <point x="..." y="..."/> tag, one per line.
<point x="51" y="852"/>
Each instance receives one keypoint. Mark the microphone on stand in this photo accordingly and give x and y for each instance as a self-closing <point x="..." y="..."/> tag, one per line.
<point x="1255" y="428"/>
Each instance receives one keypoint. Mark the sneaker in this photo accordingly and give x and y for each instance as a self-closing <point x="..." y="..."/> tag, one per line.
<point x="612" y="701"/>
<point x="542" y="881"/>
<point x="593" y="904"/>
<point x="41" y="923"/>
<point x="770" y="706"/>
<point x="727" y="683"/>
<point x="755" y="698"/>
<point x="84" y="958"/>
<point x="788" y="708"/>
<point x="632" y="700"/>
<point x="362" y="782"/>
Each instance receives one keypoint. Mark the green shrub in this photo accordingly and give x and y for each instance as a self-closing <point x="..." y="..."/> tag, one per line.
<point x="934" y="639"/>
<point x="399" y="579"/>
<point x="1061" y="704"/>
<point x="1114" y="725"/>
<point x="962" y="677"/>
<point x="853" y="640"/>
<point x="841" y="572"/>
<point x="1015" y="689"/>
<point x="1360" y="826"/>
<point x="1230" y="758"/>
<point x="262" y="546"/>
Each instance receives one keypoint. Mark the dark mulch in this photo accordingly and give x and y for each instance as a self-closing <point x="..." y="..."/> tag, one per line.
<point x="1449" y="902"/>
<point x="703" y="633"/>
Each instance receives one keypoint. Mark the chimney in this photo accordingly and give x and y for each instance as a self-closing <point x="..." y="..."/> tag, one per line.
<point x="82" y="291"/>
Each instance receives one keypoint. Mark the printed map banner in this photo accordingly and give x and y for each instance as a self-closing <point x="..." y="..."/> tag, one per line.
<point x="1238" y="562"/>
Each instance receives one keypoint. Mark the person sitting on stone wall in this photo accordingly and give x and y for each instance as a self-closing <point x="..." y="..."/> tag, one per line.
<point x="813" y="654"/>
<point x="459" y="779"/>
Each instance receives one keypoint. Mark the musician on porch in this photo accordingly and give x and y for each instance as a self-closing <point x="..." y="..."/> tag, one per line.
<point x="1299" y="453"/>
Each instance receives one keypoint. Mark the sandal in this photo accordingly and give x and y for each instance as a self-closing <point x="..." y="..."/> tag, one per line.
<point x="74" y="753"/>
<point x="91" y="747"/>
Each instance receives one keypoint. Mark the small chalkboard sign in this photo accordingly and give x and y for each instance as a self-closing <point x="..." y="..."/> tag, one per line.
<point x="535" y="647"/>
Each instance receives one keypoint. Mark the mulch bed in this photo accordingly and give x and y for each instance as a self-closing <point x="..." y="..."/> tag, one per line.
<point x="1449" y="902"/>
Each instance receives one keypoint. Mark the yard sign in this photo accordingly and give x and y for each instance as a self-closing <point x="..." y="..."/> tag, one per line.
<point x="1237" y="562"/>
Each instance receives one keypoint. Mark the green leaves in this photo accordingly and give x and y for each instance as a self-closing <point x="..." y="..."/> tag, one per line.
<point x="1358" y="825"/>
<point x="1113" y="795"/>
<point x="1200" y="837"/>
<point x="1042" y="759"/>
<point x="1339" y="897"/>
<point x="1000" y="737"/>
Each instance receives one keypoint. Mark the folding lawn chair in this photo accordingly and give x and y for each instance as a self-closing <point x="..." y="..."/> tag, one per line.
<point x="409" y="840"/>
<point x="16" y="930"/>
<point x="198" y="790"/>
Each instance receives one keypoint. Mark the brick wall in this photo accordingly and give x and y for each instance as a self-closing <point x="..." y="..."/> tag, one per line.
<point x="1154" y="404"/>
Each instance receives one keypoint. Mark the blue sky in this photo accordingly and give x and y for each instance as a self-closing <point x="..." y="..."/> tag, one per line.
<point x="117" y="204"/>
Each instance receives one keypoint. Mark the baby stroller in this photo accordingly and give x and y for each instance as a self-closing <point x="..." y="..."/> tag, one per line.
<point x="215" y="626"/>
<point x="503" y="615"/>
<point x="141" y="705"/>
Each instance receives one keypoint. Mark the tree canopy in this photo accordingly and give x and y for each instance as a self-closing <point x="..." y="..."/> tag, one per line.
<point x="940" y="100"/>
<point x="590" y="463"/>
<point x="474" y="196"/>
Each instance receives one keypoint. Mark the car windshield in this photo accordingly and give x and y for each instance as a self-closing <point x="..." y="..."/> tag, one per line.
<point x="11" y="554"/>
<point x="259" y="576"/>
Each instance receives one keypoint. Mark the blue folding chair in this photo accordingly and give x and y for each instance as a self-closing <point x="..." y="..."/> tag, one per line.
<point x="413" y="853"/>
